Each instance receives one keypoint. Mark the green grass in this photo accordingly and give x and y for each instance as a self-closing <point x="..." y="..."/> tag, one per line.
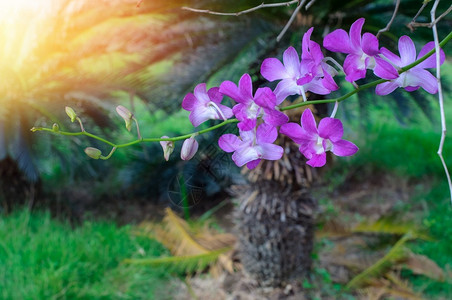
<point x="42" y="258"/>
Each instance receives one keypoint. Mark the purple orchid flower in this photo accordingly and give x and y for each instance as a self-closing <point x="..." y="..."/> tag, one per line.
<point x="205" y="105"/>
<point x="362" y="52"/>
<point x="249" y="108"/>
<point x="417" y="76"/>
<point x="252" y="146"/>
<point x="298" y="77"/>
<point x="315" y="142"/>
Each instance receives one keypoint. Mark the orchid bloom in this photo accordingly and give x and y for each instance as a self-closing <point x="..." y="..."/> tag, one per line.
<point x="315" y="142"/>
<point x="363" y="53"/>
<point x="205" y="105"/>
<point x="415" y="77"/>
<point x="249" y="108"/>
<point x="252" y="146"/>
<point x="298" y="77"/>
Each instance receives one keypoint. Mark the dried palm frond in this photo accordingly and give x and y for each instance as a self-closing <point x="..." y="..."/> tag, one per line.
<point x="194" y="247"/>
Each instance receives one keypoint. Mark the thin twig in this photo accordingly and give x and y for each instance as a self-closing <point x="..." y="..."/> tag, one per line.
<point x="440" y="95"/>
<point x="390" y="21"/>
<point x="309" y="4"/>
<point x="420" y="11"/>
<point x="292" y="17"/>
<point x="412" y="25"/>
<point x="262" y="5"/>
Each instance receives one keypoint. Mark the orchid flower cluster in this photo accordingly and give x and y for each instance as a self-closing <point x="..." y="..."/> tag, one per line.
<point x="259" y="115"/>
<point x="260" y="118"/>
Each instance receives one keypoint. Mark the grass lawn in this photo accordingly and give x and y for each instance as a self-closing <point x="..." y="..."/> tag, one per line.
<point x="43" y="258"/>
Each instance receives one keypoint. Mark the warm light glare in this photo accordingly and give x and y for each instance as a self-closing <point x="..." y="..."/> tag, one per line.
<point x="6" y="5"/>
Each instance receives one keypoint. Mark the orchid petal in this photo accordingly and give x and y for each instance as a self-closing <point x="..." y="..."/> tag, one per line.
<point x="231" y="90"/>
<point x="272" y="69"/>
<point x="266" y="134"/>
<point x="265" y="97"/>
<point x="227" y="111"/>
<point x="328" y="81"/>
<point x="244" y="155"/>
<point x="431" y="61"/>
<point x="201" y="114"/>
<point x="316" y="86"/>
<point x="407" y="50"/>
<point x="285" y="88"/>
<point x="253" y="164"/>
<point x="291" y="62"/>
<point x="293" y="131"/>
<point x="355" y="34"/>
<point x="370" y="44"/>
<point x="229" y="142"/>
<point x="384" y="70"/>
<point x="201" y="93"/>
<point x="354" y="68"/>
<point x="423" y="78"/>
<point x="189" y="102"/>
<point x="305" y="44"/>
<point x="331" y="129"/>
<point x="246" y="86"/>
<point x="247" y="124"/>
<point x="344" y="148"/>
<point x="271" y="151"/>
<point x="274" y="117"/>
<point x="337" y="41"/>
<point x="215" y="95"/>
<point x="308" y="122"/>
<point x="316" y="52"/>
<point x="385" y="88"/>
<point x="317" y="160"/>
<point x="391" y="56"/>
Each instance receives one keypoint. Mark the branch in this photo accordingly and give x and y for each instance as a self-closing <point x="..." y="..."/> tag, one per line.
<point x="440" y="95"/>
<point x="414" y="24"/>
<point x="292" y="17"/>
<point x="262" y="5"/>
<point x="390" y="21"/>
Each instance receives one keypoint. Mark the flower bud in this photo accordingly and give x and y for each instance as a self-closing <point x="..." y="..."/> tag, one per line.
<point x="55" y="127"/>
<point x="189" y="148"/>
<point x="126" y="115"/>
<point x="71" y="113"/>
<point x="168" y="147"/>
<point x="93" y="152"/>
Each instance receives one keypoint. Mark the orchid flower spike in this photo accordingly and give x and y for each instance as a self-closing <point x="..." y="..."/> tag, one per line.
<point x="249" y="107"/>
<point x="205" y="105"/>
<point x="315" y="142"/>
<point x="363" y="52"/>
<point x="415" y="77"/>
<point x="252" y="146"/>
<point x="189" y="148"/>
<point x="167" y="146"/>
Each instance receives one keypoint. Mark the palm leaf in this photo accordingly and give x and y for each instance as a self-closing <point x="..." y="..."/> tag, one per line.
<point x="182" y="264"/>
<point x="395" y="254"/>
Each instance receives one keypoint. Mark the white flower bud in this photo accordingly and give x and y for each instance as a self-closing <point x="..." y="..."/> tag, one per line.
<point x="168" y="147"/>
<point x="189" y="148"/>
<point x="126" y="115"/>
